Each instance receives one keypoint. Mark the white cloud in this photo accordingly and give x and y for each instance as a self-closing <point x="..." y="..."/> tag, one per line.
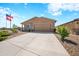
<point x="71" y="6"/>
<point x="57" y="13"/>
<point x="25" y="5"/>
<point x="4" y="11"/>
<point x="57" y="8"/>
<point x="42" y="15"/>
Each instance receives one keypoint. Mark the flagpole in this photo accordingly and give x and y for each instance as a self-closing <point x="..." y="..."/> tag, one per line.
<point x="6" y="23"/>
<point x="10" y="21"/>
<point x="8" y="17"/>
<point x="10" y="24"/>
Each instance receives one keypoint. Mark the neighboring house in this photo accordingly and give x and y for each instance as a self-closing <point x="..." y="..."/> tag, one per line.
<point x="73" y="26"/>
<point x="38" y="24"/>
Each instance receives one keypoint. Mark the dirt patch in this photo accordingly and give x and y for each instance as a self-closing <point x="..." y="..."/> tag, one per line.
<point x="71" y="44"/>
<point x="16" y="34"/>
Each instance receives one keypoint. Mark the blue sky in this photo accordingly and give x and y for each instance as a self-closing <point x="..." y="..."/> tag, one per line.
<point x="62" y="12"/>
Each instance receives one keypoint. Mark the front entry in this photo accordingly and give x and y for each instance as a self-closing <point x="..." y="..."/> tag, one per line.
<point x="28" y="27"/>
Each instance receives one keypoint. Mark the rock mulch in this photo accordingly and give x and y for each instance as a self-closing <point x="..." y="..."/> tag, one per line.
<point x="71" y="44"/>
<point x="16" y="34"/>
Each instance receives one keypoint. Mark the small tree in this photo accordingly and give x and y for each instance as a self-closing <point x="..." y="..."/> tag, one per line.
<point x="14" y="29"/>
<point x="14" y="26"/>
<point x="63" y="32"/>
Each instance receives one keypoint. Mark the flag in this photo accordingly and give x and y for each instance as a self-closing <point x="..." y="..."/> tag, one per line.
<point x="9" y="17"/>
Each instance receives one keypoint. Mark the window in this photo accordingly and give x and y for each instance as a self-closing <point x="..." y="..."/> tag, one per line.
<point x="77" y="22"/>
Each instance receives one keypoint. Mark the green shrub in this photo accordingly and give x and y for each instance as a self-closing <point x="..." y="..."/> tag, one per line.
<point x="63" y="32"/>
<point x="3" y="28"/>
<point x="4" y="33"/>
<point x="3" y="38"/>
<point x="14" y="30"/>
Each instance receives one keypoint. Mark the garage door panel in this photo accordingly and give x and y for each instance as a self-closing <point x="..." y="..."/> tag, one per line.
<point x="42" y="26"/>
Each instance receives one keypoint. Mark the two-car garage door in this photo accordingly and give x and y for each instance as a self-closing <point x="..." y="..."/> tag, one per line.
<point x="42" y="27"/>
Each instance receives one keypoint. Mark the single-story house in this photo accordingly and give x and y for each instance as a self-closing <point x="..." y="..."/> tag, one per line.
<point x="38" y="24"/>
<point x="73" y="26"/>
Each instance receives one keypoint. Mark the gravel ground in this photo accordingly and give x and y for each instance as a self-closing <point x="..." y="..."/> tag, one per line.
<point x="16" y="34"/>
<point x="71" y="44"/>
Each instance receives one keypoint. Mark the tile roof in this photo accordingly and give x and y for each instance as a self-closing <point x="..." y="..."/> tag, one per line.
<point x="39" y="17"/>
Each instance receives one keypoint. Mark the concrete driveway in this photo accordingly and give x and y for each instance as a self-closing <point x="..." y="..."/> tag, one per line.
<point x="32" y="44"/>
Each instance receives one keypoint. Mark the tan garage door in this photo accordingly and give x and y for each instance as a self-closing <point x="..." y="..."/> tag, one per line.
<point x="42" y="27"/>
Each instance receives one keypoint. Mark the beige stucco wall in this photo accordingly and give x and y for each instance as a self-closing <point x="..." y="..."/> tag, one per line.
<point x="39" y="24"/>
<point x="72" y="26"/>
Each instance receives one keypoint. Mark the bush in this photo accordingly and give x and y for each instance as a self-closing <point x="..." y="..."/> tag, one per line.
<point x="63" y="32"/>
<point x="4" y="34"/>
<point x="3" y="38"/>
<point x="3" y="28"/>
<point x="14" y="30"/>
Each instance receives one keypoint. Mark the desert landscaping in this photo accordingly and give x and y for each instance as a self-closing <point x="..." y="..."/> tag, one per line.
<point x="68" y="35"/>
<point x="71" y="44"/>
<point x="7" y="33"/>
